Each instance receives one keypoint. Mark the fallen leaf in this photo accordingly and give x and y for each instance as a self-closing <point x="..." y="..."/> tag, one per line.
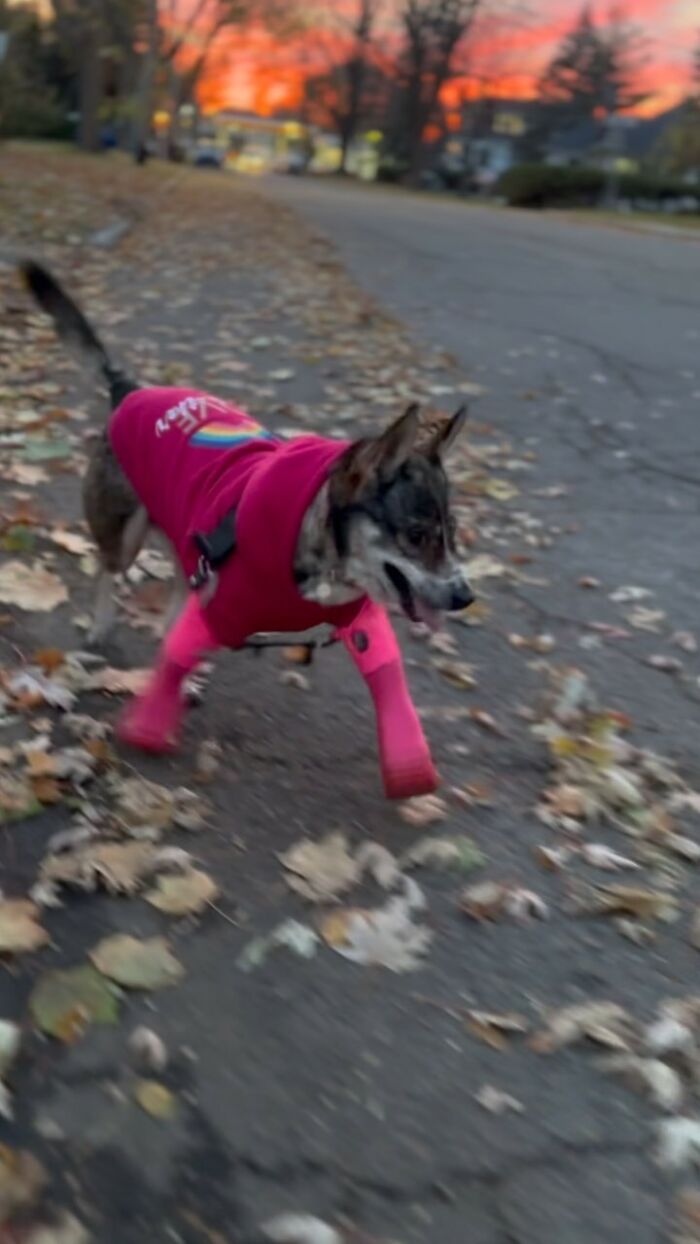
<point x="496" y="1101"/>
<point x="668" y="665"/>
<point x="644" y="619"/>
<point x="634" y="901"/>
<point x="565" y="799"/>
<point x="600" y="856"/>
<point x="119" y="867"/>
<point x="496" y="1028"/>
<point x="297" y="937"/>
<point x="606" y="1023"/>
<point x="522" y="904"/>
<point x="375" y="859"/>
<point x="685" y="640"/>
<point x="19" y="929"/>
<point x="485" y="901"/>
<point x="135" y="963"/>
<point x="423" y="810"/>
<point x="300" y="1229"/>
<point x="533" y="643"/>
<point x="64" y="1002"/>
<point x="22" y="1180"/>
<point x="72" y="541"/>
<point x="155" y="1099"/>
<point x="487" y="721"/>
<point x="148" y="1049"/>
<point x="458" y="853"/>
<point x="459" y="673"/>
<point x="64" y="1229"/>
<point x="679" y="1144"/>
<point x="298" y="654"/>
<point x="384" y="937"/>
<point x="662" y="1084"/>
<point x="295" y="678"/>
<point x="183" y="895"/>
<point x="626" y="595"/>
<point x="320" y="871"/>
<point x="687" y="848"/>
<point x="32" y="588"/>
<point x="484" y="566"/>
<point x="695" y="930"/>
<point x="119" y="682"/>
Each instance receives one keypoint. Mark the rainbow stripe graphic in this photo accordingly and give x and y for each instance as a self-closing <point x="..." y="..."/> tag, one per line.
<point x="224" y="435"/>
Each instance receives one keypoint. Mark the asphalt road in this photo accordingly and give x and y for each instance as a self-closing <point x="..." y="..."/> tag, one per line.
<point x="322" y="1086"/>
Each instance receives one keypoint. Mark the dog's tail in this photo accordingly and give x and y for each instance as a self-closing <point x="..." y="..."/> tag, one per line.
<point x="75" y="329"/>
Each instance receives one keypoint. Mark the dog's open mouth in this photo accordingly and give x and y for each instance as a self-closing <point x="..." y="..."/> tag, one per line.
<point x="414" y="608"/>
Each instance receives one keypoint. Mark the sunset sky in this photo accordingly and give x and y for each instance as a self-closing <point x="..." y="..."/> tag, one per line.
<point x="258" y="72"/>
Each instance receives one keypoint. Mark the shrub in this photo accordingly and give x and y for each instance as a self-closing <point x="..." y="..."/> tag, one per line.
<point x="543" y="185"/>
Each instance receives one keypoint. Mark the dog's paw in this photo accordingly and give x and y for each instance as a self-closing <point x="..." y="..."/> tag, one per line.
<point x="141" y="725"/>
<point x="410" y="778"/>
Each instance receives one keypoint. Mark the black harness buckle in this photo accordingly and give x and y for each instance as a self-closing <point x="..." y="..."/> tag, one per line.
<point x="215" y="547"/>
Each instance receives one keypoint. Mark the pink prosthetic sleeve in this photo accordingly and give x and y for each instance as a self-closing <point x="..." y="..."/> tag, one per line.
<point x="152" y="720"/>
<point x="407" y="766"/>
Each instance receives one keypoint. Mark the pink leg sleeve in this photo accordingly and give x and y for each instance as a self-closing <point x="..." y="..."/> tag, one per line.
<point x="407" y="766"/>
<point x="152" y="720"/>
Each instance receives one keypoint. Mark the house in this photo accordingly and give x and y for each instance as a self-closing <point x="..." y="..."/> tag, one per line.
<point x="494" y="136"/>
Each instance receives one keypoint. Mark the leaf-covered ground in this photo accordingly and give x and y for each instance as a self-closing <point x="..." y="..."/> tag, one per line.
<point x="245" y="998"/>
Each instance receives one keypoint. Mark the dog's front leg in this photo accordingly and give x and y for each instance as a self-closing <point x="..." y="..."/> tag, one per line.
<point x="152" y="721"/>
<point x="407" y="766"/>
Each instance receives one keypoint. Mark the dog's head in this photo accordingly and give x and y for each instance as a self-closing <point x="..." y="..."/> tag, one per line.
<point x="391" y="521"/>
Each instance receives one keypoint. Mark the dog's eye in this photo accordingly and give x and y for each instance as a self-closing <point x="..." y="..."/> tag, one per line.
<point x="415" y="535"/>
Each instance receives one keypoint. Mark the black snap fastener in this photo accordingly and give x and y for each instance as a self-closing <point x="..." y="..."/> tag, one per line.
<point x="360" y="640"/>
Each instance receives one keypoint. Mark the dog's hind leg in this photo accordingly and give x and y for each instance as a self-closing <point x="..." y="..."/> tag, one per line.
<point x="152" y="721"/>
<point x="114" y="560"/>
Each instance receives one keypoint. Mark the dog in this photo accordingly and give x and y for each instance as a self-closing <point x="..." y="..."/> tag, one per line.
<point x="268" y="536"/>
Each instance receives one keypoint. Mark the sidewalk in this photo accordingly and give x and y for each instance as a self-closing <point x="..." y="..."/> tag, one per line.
<point x="449" y="1101"/>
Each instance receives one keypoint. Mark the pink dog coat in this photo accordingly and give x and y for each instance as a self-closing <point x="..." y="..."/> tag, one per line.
<point x="192" y="459"/>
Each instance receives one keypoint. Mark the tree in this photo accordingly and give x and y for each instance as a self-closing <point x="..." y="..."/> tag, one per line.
<point x="346" y="95"/>
<point x="678" y="152"/>
<point x="29" y="103"/>
<point x="433" y="32"/>
<point x="593" y="72"/>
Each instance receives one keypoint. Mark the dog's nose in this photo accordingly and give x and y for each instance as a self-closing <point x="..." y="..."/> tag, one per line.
<point x="461" y="597"/>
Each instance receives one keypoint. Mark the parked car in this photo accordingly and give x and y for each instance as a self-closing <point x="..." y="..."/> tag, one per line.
<point x="208" y="157"/>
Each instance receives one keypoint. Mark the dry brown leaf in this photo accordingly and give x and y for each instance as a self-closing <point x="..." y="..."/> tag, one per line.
<point x="485" y="901"/>
<point x="423" y="810"/>
<point x="32" y="588"/>
<point x="155" y="1099"/>
<point x="185" y="894"/>
<point x="320" y="871"/>
<point x="634" y="901"/>
<point x="496" y="1101"/>
<point x="487" y="721"/>
<point x="19" y="930"/>
<point x="119" y="682"/>
<point x="606" y="1023"/>
<point x="119" y="867"/>
<point x="22" y="1180"/>
<point x="459" y="673"/>
<point x="72" y="541"/>
<point x="496" y="1028"/>
<point x="136" y="963"/>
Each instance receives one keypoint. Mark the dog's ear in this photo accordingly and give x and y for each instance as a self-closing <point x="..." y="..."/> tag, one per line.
<point x="444" y="438"/>
<point x="376" y="457"/>
<point x="391" y="449"/>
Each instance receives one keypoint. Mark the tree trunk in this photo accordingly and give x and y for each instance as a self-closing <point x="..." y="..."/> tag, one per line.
<point x="144" y="95"/>
<point x="90" y="84"/>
